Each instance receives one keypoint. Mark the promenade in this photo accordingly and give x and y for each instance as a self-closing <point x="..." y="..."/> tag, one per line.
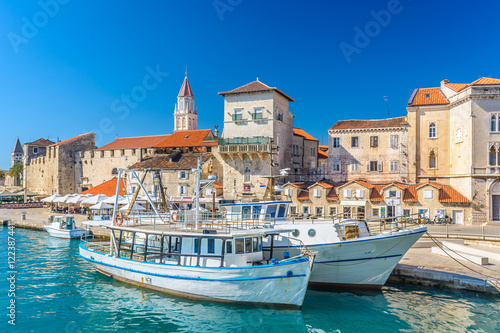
<point x="418" y="266"/>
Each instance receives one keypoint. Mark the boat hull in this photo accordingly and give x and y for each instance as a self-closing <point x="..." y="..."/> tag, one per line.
<point x="364" y="263"/>
<point x="282" y="284"/>
<point x="67" y="234"/>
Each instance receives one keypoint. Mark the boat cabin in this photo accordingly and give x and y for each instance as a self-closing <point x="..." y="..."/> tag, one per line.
<point x="191" y="248"/>
<point x="257" y="211"/>
<point x="62" y="222"/>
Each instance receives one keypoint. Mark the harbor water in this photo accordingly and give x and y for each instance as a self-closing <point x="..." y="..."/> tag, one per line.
<point x="57" y="291"/>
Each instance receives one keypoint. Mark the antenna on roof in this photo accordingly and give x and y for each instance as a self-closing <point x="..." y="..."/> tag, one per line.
<point x="387" y="103"/>
<point x="186" y="70"/>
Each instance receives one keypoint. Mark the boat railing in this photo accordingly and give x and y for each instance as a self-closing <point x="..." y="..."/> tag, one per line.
<point x="98" y="246"/>
<point x="394" y="223"/>
<point x="189" y="221"/>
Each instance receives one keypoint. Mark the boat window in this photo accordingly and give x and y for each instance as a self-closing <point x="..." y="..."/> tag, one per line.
<point x="236" y="211"/>
<point x="281" y="211"/>
<point x="255" y="244"/>
<point x="312" y="233"/>
<point x="211" y="245"/>
<point x="176" y="247"/>
<point x="256" y="212"/>
<point x="246" y="212"/>
<point x="260" y="243"/>
<point x="296" y="233"/>
<point x="248" y="245"/>
<point x="271" y="210"/>
<point x="239" y="245"/>
<point x="229" y="247"/>
<point x="196" y="245"/>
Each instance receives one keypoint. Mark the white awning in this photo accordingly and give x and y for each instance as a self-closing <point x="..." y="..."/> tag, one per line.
<point x="181" y="199"/>
<point x="353" y="202"/>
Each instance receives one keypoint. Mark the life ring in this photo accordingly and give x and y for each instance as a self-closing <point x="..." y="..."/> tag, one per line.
<point x="119" y="219"/>
<point x="174" y="217"/>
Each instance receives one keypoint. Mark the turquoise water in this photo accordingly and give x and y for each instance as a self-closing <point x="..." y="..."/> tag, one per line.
<point x="57" y="291"/>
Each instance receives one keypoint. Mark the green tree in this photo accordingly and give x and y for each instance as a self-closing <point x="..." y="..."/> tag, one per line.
<point x="2" y="175"/>
<point x="16" y="171"/>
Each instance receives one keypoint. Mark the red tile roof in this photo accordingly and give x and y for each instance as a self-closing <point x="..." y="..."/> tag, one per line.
<point x="449" y="194"/>
<point x="457" y="86"/>
<point x="322" y="154"/>
<point x="40" y="142"/>
<point x="303" y="195"/>
<point x="382" y="123"/>
<point x="304" y="134"/>
<point x="179" y="162"/>
<point x="332" y="195"/>
<point x="107" y="188"/>
<point x="134" y="142"/>
<point x="186" y="90"/>
<point x="218" y="185"/>
<point x="68" y="140"/>
<point x="485" y="81"/>
<point x="190" y="138"/>
<point x="298" y="185"/>
<point x="376" y="193"/>
<point x="324" y="184"/>
<point x="323" y="147"/>
<point x="429" y="96"/>
<point x="410" y="194"/>
<point x="255" y="86"/>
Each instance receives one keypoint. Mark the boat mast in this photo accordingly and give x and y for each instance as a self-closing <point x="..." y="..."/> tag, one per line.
<point x="115" y="208"/>
<point x="197" y="192"/>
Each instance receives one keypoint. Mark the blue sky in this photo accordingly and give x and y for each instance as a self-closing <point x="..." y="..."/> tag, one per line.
<point x="67" y="75"/>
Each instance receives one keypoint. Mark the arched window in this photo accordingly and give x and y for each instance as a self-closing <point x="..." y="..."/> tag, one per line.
<point x="432" y="130"/>
<point x="247" y="175"/>
<point x="432" y="159"/>
<point x="498" y="156"/>
<point x="493" y="126"/>
<point x="115" y="171"/>
<point x="183" y="123"/>
<point x="493" y="156"/>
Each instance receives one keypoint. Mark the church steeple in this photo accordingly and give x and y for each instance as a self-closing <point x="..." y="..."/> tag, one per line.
<point x="185" y="113"/>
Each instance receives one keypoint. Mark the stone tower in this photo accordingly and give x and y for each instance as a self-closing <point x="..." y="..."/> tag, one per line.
<point x="185" y="113"/>
<point x="17" y="153"/>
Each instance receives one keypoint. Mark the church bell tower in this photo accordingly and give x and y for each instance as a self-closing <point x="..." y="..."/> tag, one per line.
<point x="185" y="113"/>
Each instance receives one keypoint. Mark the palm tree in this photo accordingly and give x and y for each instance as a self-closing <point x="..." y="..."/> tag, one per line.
<point x="16" y="171"/>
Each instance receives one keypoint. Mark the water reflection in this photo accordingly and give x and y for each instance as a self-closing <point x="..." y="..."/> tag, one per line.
<point x="60" y="292"/>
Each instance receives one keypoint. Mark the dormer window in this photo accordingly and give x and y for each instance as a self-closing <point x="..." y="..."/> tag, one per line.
<point x="427" y="95"/>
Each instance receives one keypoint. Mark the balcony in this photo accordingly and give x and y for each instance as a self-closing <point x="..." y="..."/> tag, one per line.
<point x="245" y="145"/>
<point x="237" y="117"/>
<point x="257" y="116"/>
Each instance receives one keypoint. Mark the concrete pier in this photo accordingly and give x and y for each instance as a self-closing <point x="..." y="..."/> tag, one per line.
<point x="421" y="266"/>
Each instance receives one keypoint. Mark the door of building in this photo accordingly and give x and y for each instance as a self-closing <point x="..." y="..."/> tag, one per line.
<point x="458" y="216"/>
<point x="495" y="207"/>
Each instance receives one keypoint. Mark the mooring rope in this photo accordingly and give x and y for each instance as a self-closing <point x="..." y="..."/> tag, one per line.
<point x="442" y="248"/>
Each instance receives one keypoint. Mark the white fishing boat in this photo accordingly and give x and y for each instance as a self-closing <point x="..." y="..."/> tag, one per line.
<point x="214" y="261"/>
<point x="65" y="227"/>
<point x="348" y="254"/>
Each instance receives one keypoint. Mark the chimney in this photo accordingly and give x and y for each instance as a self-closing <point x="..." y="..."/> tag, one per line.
<point x="445" y="81"/>
<point x="216" y="131"/>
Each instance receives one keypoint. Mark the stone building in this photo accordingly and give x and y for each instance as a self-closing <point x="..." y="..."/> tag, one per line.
<point x="362" y="199"/>
<point x="35" y="149"/>
<point x="258" y="140"/>
<point x="371" y="149"/>
<point x="58" y="171"/>
<point x="101" y="164"/>
<point x="454" y="137"/>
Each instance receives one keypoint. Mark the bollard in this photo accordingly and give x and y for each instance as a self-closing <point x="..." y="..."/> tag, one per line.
<point x="23" y="216"/>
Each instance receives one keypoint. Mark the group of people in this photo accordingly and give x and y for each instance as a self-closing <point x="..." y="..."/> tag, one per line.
<point x="69" y="210"/>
